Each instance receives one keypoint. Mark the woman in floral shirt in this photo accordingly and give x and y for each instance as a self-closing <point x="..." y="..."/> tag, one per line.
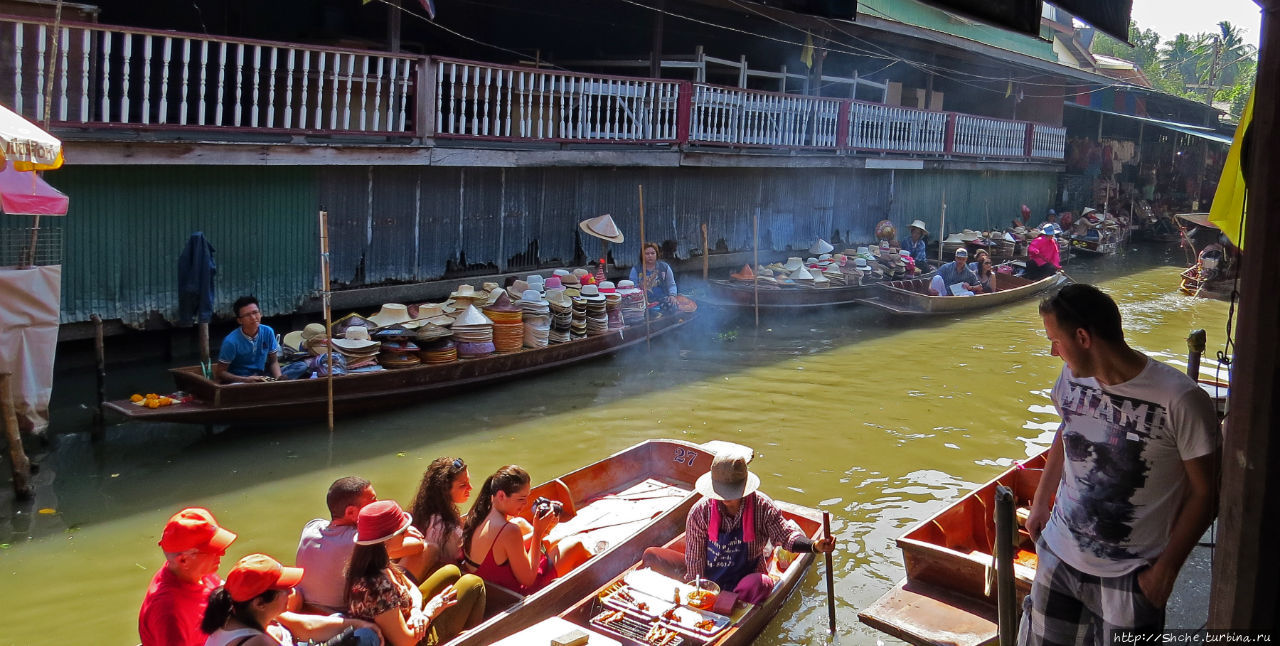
<point x="379" y="591"/>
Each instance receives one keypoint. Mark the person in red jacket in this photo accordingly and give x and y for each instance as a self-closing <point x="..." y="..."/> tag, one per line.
<point x="1042" y="254"/>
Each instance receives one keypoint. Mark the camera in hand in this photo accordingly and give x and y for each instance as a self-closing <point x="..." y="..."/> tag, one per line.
<point x="542" y="505"/>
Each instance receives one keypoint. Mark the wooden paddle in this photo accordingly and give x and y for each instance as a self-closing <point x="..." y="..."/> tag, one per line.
<point x="831" y="591"/>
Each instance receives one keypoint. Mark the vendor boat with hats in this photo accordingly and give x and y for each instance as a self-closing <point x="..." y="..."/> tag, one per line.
<point x="913" y="297"/>
<point x="406" y="352"/>
<point x="1095" y="234"/>
<point x="825" y="278"/>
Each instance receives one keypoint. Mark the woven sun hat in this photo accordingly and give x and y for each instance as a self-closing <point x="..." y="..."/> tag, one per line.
<point x="810" y="261"/>
<point x="864" y="251"/>
<point x="1087" y="210"/>
<point x="821" y="247"/>
<point x="560" y="272"/>
<point x="472" y="317"/>
<point x="503" y="303"/>
<point x="465" y="291"/>
<point x="392" y="331"/>
<point x="745" y="274"/>
<point x="607" y="287"/>
<point x="390" y="314"/>
<point x="380" y="521"/>
<point x="553" y="284"/>
<point x="793" y="263"/>
<point x="532" y="296"/>
<point x="559" y="298"/>
<point x="591" y="293"/>
<point x="954" y="238"/>
<point x="860" y="264"/>
<point x="432" y="332"/>
<point x="581" y="273"/>
<point x="602" y="227"/>
<point x="919" y="224"/>
<point x="969" y="235"/>
<point x="489" y="286"/>
<point x="294" y="340"/>
<point x="728" y="479"/>
<point x="824" y="256"/>
<point x="801" y="274"/>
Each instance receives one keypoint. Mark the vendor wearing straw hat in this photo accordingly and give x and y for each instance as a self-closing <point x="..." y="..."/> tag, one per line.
<point x="727" y="531"/>
<point x="917" y="241"/>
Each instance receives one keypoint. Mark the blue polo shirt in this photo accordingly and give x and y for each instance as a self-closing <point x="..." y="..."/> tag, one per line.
<point x="954" y="272"/>
<point x="247" y="357"/>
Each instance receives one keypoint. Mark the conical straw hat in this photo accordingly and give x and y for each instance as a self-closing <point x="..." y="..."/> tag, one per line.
<point x="602" y="227"/>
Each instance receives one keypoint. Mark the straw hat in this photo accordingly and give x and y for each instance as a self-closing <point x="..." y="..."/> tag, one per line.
<point x="919" y="224"/>
<point x="745" y="274"/>
<point x="793" y="263"/>
<point x="391" y="314"/>
<point x="602" y="227"/>
<point x="729" y="478"/>
<point x="472" y="316"/>
<point x="465" y="291"/>
<point x="969" y="235"/>
<point x="801" y="274"/>
<point x="821" y="247"/>
<point x="536" y="281"/>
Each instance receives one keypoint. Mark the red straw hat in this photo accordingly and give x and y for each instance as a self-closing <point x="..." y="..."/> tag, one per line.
<point x="194" y="528"/>
<point x="257" y="573"/>
<point x="380" y="521"/>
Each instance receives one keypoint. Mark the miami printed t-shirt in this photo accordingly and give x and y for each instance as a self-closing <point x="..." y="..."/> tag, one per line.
<point x="1122" y="472"/>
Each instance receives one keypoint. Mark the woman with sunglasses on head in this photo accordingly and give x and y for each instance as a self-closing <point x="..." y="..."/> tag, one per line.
<point x="445" y="484"/>
<point x="379" y="591"/>
<point x="497" y="546"/>
<point x="244" y="611"/>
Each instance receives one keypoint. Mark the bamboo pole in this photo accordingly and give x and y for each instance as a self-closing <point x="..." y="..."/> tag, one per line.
<point x="706" y="259"/>
<point x="328" y="314"/>
<point x="831" y="590"/>
<point x="101" y="359"/>
<point x="755" y="260"/>
<point x="644" y="292"/>
<point x="942" y="227"/>
<point x="21" y="466"/>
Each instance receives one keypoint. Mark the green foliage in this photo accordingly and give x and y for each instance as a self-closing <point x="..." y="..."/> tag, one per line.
<point x="1220" y="57"/>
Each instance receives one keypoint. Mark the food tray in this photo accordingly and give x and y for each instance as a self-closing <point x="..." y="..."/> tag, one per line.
<point x="686" y="619"/>
<point x="627" y="598"/>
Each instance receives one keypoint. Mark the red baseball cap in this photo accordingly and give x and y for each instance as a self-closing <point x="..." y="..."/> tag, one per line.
<point x="194" y="528"/>
<point x="257" y="573"/>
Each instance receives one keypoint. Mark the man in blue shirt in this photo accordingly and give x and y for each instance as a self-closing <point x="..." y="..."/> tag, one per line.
<point x="955" y="272"/>
<point x="249" y="353"/>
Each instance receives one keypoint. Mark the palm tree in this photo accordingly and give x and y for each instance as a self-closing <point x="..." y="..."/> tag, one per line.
<point x="1182" y="56"/>
<point x="1233" y="53"/>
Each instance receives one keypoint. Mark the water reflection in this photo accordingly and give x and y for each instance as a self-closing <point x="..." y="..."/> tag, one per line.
<point x="878" y="421"/>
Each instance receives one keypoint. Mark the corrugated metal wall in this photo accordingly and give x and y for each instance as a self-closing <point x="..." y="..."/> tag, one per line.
<point x="402" y="224"/>
<point x="127" y="226"/>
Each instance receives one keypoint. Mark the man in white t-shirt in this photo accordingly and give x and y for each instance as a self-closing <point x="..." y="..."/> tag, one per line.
<point x="326" y="545"/>
<point x="1134" y="468"/>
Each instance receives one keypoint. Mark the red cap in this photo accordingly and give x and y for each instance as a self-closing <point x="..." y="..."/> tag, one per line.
<point x="380" y="521"/>
<point x="257" y="573"/>
<point x="194" y="528"/>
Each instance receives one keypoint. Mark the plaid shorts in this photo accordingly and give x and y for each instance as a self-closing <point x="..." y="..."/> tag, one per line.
<point x="1067" y="607"/>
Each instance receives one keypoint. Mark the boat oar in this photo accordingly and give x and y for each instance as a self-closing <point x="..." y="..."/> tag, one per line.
<point x="831" y="591"/>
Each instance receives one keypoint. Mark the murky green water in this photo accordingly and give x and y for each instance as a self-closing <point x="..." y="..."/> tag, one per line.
<point x="880" y="422"/>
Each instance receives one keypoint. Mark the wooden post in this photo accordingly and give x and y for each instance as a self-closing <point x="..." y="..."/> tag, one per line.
<point x="706" y="259"/>
<point x="1195" y="349"/>
<point x="831" y="590"/>
<point x="1006" y="594"/>
<point x="755" y="260"/>
<point x="21" y="466"/>
<point x="942" y="227"/>
<point x="328" y="314"/>
<point x="100" y="357"/>
<point x="644" y="292"/>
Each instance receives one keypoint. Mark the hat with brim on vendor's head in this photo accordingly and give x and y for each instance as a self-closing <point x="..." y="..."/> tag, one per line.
<point x="729" y="478"/>
<point x="919" y="224"/>
<point x="602" y="227"/>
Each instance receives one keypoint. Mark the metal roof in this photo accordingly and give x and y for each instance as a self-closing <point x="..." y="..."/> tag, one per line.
<point x="1203" y="132"/>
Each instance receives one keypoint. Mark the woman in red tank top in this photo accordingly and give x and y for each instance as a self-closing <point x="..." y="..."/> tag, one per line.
<point x="495" y="545"/>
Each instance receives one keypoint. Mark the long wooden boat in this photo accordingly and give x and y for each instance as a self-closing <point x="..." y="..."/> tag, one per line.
<point x="734" y="293"/>
<point x="618" y="506"/>
<point x="215" y="403"/>
<point x="911" y="297"/>
<point x="944" y="598"/>
<point x="1218" y="288"/>
<point x="739" y="628"/>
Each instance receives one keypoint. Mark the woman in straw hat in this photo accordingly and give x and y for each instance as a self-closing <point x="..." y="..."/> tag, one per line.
<point x="244" y="610"/>
<point x="657" y="281"/>
<point x="727" y="532"/>
<point x="445" y="485"/>
<point x="917" y="242"/>
<point x="505" y="549"/>
<point x="378" y="590"/>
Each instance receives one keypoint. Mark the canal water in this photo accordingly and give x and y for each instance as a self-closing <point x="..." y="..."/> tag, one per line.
<point x="881" y="422"/>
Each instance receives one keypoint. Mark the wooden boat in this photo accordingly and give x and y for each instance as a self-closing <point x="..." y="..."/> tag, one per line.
<point x="945" y="599"/>
<point x="215" y="403"/>
<point x="742" y="627"/>
<point x="1093" y="247"/>
<point x="735" y="293"/>
<point x="619" y="506"/>
<point x="1219" y="288"/>
<point x="911" y="297"/>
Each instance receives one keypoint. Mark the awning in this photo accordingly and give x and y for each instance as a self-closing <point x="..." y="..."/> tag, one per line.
<point x="26" y="145"/>
<point x="25" y="193"/>
<point x="1185" y="128"/>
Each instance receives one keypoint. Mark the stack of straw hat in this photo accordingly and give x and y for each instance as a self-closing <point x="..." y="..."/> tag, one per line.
<point x="578" y="326"/>
<point x="536" y="318"/>
<point x="632" y="302"/>
<point x="508" y="324"/>
<point x="473" y="333"/>
<point x="561" y="308"/>
<point x="357" y="347"/>
<point x="597" y="319"/>
<point x="435" y="344"/>
<point x="612" y="304"/>
<point x="397" y="351"/>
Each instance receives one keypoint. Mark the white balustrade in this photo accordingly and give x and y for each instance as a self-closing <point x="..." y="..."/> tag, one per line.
<point x="1048" y="141"/>
<point x="726" y="115"/>
<point x="496" y="101"/>
<point x="873" y="126"/>
<point x="112" y="75"/>
<point x="989" y="137"/>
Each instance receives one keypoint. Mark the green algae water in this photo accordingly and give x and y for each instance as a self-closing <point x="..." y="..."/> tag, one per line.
<point x="879" y="421"/>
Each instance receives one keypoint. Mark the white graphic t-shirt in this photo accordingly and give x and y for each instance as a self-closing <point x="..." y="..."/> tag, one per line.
<point x="1122" y="473"/>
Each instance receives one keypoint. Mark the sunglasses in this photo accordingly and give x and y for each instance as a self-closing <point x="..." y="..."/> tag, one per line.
<point x="458" y="463"/>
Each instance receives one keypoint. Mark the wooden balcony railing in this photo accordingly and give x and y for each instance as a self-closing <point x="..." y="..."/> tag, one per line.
<point x="112" y="77"/>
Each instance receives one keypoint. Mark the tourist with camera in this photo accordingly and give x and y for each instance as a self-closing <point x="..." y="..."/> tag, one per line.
<point x="504" y="548"/>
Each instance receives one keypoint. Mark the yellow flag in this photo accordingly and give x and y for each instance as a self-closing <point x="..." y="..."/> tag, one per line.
<point x="1008" y="91"/>
<point x="1227" y="212"/>
<point x="806" y="54"/>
